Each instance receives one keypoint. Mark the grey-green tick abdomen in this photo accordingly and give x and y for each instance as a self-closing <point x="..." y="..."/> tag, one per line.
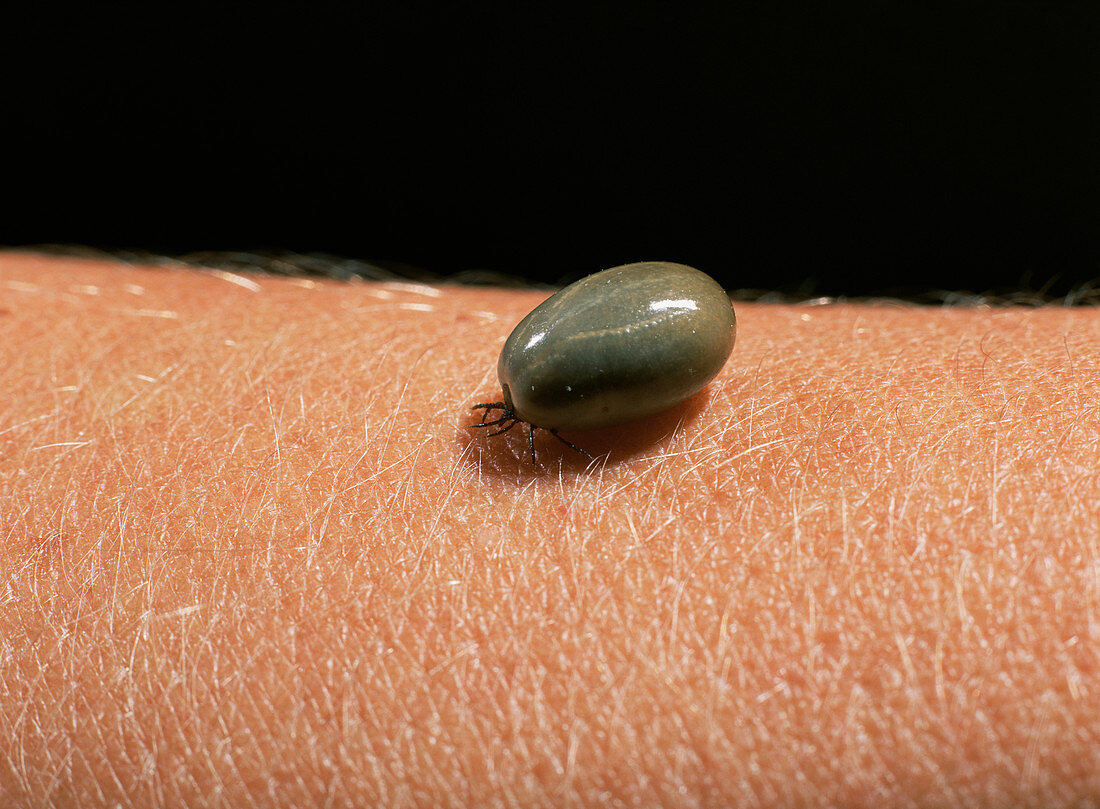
<point x="617" y="346"/>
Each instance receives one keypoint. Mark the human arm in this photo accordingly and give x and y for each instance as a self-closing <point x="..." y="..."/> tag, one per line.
<point x="252" y="552"/>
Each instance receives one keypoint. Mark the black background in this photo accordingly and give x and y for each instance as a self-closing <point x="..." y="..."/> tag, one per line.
<point x="833" y="148"/>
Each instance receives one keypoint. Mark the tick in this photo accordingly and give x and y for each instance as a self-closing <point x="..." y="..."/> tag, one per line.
<point x="617" y="346"/>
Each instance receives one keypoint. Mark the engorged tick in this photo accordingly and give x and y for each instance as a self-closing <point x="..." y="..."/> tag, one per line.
<point x="617" y="346"/>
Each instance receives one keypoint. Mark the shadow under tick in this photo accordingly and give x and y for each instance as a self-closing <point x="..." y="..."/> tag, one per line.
<point x="508" y="456"/>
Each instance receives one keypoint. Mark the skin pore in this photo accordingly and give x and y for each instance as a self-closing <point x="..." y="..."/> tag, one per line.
<point x="252" y="554"/>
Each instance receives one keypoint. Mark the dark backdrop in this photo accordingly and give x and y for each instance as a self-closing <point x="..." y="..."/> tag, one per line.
<point x="843" y="149"/>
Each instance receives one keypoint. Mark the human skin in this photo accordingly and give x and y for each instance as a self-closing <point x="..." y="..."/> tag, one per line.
<point x="251" y="553"/>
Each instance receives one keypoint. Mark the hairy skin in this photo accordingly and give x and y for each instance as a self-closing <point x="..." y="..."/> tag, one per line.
<point x="252" y="555"/>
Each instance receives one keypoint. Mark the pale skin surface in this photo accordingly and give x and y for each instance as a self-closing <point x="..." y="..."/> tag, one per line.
<point x="251" y="554"/>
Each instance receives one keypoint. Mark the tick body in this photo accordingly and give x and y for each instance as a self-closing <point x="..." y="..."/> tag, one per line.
<point x="617" y="346"/>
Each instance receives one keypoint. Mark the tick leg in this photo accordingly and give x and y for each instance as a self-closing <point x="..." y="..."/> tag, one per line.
<point x="485" y="407"/>
<point x="511" y="423"/>
<point x="571" y="445"/>
<point x="493" y="423"/>
<point x="531" y="438"/>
